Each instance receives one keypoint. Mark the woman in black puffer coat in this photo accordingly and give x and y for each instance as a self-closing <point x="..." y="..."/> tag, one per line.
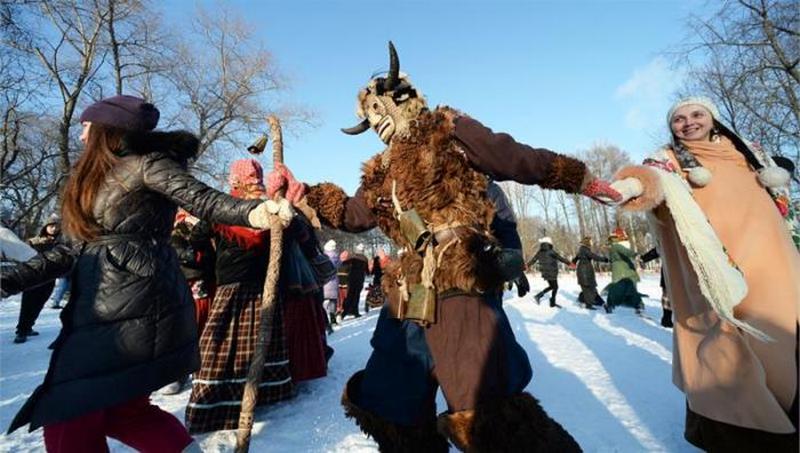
<point x="548" y="259"/>
<point x="129" y="327"/>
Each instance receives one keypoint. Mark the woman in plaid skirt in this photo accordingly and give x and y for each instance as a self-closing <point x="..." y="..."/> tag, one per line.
<point x="228" y="340"/>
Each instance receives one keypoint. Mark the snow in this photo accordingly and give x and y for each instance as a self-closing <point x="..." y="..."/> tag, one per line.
<point x="605" y="378"/>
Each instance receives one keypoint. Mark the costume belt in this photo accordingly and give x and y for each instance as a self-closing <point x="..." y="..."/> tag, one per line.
<point x="418" y="301"/>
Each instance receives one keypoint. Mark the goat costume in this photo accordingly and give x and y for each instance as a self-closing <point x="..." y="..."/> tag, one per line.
<point x="443" y="323"/>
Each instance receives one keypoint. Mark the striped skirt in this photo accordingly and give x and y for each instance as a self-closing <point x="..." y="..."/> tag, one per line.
<point x="226" y="348"/>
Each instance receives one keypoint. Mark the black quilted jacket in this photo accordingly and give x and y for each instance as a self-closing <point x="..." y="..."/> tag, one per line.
<point x="129" y="327"/>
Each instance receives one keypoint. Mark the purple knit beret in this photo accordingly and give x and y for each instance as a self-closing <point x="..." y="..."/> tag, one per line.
<point x="123" y="111"/>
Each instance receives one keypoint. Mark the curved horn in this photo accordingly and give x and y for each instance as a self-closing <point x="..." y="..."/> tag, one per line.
<point x="357" y="129"/>
<point x="394" y="69"/>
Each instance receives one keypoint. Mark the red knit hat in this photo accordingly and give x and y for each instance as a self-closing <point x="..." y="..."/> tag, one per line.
<point x="246" y="172"/>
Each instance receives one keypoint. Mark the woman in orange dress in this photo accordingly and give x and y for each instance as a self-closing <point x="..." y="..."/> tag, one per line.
<point x="724" y="228"/>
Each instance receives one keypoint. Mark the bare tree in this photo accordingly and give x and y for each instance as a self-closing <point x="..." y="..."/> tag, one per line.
<point x="226" y="83"/>
<point x="745" y="56"/>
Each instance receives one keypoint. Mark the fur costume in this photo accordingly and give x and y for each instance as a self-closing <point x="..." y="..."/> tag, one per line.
<point x="433" y="171"/>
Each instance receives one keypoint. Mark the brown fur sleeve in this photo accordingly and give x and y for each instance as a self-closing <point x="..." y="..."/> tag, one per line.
<point x="653" y="194"/>
<point x="339" y="211"/>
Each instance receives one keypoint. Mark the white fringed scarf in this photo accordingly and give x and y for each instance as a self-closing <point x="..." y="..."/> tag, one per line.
<point x="721" y="283"/>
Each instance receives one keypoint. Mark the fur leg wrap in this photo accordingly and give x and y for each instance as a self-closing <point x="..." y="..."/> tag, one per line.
<point x="514" y="424"/>
<point x="391" y="437"/>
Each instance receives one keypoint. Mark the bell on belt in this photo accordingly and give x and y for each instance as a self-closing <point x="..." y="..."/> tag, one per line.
<point x="258" y="146"/>
<point x="414" y="230"/>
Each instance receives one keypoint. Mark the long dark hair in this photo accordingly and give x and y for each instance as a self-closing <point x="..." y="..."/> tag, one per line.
<point x="88" y="174"/>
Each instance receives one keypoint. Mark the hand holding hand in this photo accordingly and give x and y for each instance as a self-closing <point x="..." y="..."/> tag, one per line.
<point x="602" y="191"/>
<point x="628" y="188"/>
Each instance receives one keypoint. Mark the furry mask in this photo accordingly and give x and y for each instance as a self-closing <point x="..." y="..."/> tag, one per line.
<point x="388" y="104"/>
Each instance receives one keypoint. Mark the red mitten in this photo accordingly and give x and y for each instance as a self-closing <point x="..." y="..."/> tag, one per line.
<point x="602" y="191"/>
<point x="295" y="189"/>
<point x="275" y="181"/>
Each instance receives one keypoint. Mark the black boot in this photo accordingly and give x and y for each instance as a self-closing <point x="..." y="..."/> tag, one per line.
<point x="666" y="318"/>
<point x="391" y="437"/>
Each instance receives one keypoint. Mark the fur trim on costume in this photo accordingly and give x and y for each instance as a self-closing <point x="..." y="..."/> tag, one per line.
<point x="568" y="174"/>
<point x="699" y="176"/>
<point x="179" y="145"/>
<point x="513" y="424"/>
<point x="653" y="194"/>
<point x="391" y="437"/>
<point x="433" y="178"/>
<point x="773" y="177"/>
<point x="457" y="428"/>
<point x="329" y="202"/>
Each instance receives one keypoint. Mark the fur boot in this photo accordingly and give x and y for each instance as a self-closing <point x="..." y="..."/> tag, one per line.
<point x="391" y="437"/>
<point x="514" y="424"/>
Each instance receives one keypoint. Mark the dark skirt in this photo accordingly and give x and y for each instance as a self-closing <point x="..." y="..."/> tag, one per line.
<point x="304" y="326"/>
<point x="624" y="293"/>
<point x="375" y="297"/>
<point x="713" y="436"/>
<point x="226" y="348"/>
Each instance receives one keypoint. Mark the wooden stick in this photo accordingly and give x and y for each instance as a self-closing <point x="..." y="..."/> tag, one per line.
<point x="267" y="312"/>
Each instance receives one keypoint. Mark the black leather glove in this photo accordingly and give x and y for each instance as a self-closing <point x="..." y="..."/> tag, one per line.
<point x="523" y="287"/>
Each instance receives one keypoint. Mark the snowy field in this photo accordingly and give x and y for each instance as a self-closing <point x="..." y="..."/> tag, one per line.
<point x="605" y="378"/>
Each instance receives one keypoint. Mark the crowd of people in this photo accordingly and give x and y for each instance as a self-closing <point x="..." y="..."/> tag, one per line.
<point x="166" y="277"/>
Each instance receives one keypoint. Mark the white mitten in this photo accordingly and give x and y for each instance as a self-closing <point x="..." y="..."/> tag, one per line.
<point x="628" y="188"/>
<point x="259" y="217"/>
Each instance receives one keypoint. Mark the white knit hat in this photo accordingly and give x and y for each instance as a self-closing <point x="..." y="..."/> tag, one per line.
<point x="702" y="101"/>
<point x="546" y="240"/>
<point x="329" y="246"/>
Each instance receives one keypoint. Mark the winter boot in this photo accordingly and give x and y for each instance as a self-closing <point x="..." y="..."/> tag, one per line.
<point x="391" y="437"/>
<point x="666" y="318"/>
<point x="20" y="338"/>
<point x="513" y="424"/>
<point x="607" y="308"/>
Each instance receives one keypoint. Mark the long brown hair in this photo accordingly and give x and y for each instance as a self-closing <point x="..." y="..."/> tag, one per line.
<point x="85" y="180"/>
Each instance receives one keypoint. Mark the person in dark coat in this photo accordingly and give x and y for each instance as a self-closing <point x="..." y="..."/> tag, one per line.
<point x="504" y="228"/>
<point x="586" y="278"/>
<point x="128" y="328"/>
<point x="374" y="291"/>
<point x="358" y="267"/>
<point x="666" y="305"/>
<point x="33" y="299"/>
<point x="548" y="260"/>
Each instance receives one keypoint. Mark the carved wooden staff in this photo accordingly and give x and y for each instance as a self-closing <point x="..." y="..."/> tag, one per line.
<point x="267" y="312"/>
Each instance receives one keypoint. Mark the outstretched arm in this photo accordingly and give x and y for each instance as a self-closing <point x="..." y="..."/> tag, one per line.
<point x="42" y="268"/>
<point x="503" y="158"/>
<point x="339" y="211"/>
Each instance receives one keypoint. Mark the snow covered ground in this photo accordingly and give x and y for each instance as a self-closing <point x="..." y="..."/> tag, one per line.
<point x="605" y="378"/>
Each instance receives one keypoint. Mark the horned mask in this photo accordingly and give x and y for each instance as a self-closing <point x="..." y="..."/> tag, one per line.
<point x="388" y="104"/>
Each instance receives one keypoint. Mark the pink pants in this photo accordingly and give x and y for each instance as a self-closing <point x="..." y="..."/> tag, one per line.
<point x="136" y="423"/>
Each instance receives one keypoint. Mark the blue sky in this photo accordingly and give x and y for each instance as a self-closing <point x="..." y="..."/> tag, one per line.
<point x="560" y="75"/>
